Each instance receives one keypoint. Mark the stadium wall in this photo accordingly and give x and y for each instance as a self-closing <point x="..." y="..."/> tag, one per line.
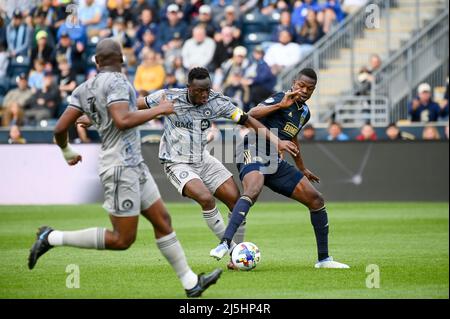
<point x="349" y="171"/>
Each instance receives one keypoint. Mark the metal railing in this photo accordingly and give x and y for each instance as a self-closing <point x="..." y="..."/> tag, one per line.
<point x="423" y="59"/>
<point x="358" y="110"/>
<point x="341" y="53"/>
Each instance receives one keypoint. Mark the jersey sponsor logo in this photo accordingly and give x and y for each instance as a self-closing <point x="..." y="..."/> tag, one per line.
<point x="290" y="129"/>
<point x="188" y="125"/>
<point x="127" y="204"/>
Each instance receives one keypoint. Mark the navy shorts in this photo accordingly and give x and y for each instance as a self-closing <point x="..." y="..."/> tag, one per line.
<point x="283" y="181"/>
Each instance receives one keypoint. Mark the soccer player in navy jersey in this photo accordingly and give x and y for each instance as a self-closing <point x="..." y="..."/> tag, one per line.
<point x="287" y="113"/>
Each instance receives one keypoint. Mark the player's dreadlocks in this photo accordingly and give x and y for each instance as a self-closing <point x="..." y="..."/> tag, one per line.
<point x="198" y="73"/>
<point x="307" y="72"/>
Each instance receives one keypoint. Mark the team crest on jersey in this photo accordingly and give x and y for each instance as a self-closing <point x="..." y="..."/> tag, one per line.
<point x="127" y="204"/>
<point x="184" y="174"/>
<point x="207" y="112"/>
<point x="205" y="124"/>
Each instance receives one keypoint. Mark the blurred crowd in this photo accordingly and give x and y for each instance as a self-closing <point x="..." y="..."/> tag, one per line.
<point x="47" y="47"/>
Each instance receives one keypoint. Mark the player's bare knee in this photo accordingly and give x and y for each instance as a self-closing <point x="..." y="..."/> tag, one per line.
<point x="317" y="201"/>
<point x="206" y="201"/>
<point x="124" y="242"/>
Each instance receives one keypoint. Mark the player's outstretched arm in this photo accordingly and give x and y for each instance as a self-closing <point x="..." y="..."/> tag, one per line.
<point x="282" y="145"/>
<point x="67" y="119"/>
<point x="125" y="119"/>
<point x="263" y="110"/>
<point x="301" y="165"/>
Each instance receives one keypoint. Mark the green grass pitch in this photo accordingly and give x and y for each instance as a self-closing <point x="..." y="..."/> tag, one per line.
<point x="409" y="242"/>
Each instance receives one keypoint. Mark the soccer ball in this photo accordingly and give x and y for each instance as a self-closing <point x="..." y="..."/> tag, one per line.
<point x="246" y="256"/>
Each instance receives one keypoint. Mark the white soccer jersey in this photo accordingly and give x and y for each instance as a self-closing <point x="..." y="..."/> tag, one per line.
<point x="185" y="132"/>
<point x="93" y="97"/>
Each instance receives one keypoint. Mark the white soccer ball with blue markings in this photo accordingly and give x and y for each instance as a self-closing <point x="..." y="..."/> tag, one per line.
<point x="246" y="256"/>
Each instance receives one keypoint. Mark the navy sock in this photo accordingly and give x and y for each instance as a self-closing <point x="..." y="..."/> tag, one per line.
<point x="240" y="210"/>
<point x="319" y="220"/>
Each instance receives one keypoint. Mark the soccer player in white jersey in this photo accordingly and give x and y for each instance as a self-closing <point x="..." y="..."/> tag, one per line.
<point x="109" y="101"/>
<point x="189" y="167"/>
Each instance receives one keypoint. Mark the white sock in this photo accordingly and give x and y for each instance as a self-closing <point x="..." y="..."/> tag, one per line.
<point x="240" y="233"/>
<point x="215" y="222"/>
<point x="85" y="238"/>
<point x="171" y="248"/>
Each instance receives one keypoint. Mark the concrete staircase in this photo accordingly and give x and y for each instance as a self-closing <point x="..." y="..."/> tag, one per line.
<point x="335" y="79"/>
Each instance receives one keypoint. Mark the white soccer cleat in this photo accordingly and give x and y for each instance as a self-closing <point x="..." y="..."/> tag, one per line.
<point x="219" y="251"/>
<point x="330" y="263"/>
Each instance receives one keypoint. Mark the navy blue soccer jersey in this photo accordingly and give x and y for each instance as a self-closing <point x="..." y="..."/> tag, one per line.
<point x="288" y="121"/>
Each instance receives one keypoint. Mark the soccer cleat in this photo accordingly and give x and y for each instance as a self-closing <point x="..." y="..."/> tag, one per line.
<point x="204" y="281"/>
<point x="40" y="246"/>
<point x="219" y="251"/>
<point x="330" y="263"/>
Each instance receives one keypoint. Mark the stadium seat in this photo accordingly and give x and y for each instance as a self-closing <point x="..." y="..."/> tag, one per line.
<point x="255" y="22"/>
<point x="256" y="38"/>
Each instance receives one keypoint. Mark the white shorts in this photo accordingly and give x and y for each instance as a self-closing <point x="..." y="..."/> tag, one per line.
<point x="210" y="171"/>
<point x="128" y="190"/>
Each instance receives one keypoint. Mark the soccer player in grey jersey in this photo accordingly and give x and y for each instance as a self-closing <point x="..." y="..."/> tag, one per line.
<point x="188" y="166"/>
<point x="109" y="102"/>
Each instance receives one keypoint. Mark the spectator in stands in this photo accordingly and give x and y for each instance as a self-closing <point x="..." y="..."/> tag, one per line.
<point x="43" y="50"/>
<point x="284" y="25"/>
<point x="93" y="17"/>
<point x="146" y="23"/>
<point x="171" y="81"/>
<point x="367" y="133"/>
<point x="179" y="71"/>
<point x="36" y="77"/>
<point x="301" y="11"/>
<point x="4" y="62"/>
<point x="74" y="29"/>
<point x="232" y="20"/>
<point x="53" y="15"/>
<point x="205" y="19"/>
<point x="198" y="51"/>
<point x="238" y="62"/>
<point x="283" y="54"/>
<point x="329" y="14"/>
<point x="45" y="102"/>
<point x="308" y="133"/>
<point x="393" y="133"/>
<point x="335" y="133"/>
<point x="18" y="36"/>
<point x="3" y="41"/>
<point x="139" y="6"/>
<point x="149" y="42"/>
<point x="173" y="51"/>
<point x="225" y="45"/>
<point x="444" y="105"/>
<point x="39" y="25"/>
<point x="118" y="32"/>
<point x="15" y="136"/>
<point x="66" y="82"/>
<point x="259" y="78"/>
<point x="120" y="10"/>
<point x="16" y="100"/>
<point x="311" y="31"/>
<point x="236" y="90"/>
<point x="430" y="133"/>
<point x="150" y="74"/>
<point x="423" y="108"/>
<point x="173" y="25"/>
<point x="365" y="76"/>
<point x="269" y="7"/>
<point x="446" y="131"/>
<point x="73" y="52"/>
